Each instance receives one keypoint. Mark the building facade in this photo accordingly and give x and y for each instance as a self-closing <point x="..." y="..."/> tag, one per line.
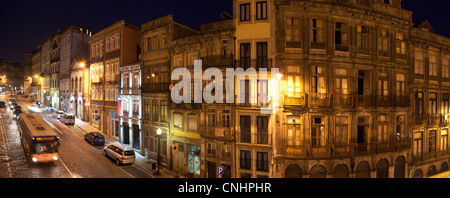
<point x="110" y="48"/>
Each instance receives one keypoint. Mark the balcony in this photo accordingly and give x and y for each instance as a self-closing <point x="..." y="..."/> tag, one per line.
<point x="365" y="148"/>
<point x="365" y="100"/>
<point x="219" y="61"/>
<point x="430" y="156"/>
<point x="257" y="102"/>
<point x="218" y="132"/>
<point x="130" y="91"/>
<point x="342" y="100"/>
<point x="295" y="99"/>
<point x="420" y="119"/>
<point x="402" y="101"/>
<point x="295" y="151"/>
<point x="319" y="99"/>
<point x="434" y="119"/>
<point x="385" y="101"/>
<point x="320" y="151"/>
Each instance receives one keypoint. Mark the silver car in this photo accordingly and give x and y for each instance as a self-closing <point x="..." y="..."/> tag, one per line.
<point x="120" y="153"/>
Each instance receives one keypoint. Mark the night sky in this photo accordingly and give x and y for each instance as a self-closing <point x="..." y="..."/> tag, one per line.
<point x="25" y="23"/>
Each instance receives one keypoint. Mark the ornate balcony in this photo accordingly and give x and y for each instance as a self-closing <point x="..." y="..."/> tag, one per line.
<point x="365" y="100"/>
<point x="320" y="151"/>
<point x="295" y="99"/>
<point x="365" y="148"/>
<point x="319" y="99"/>
<point x="385" y="101"/>
<point x="343" y="100"/>
<point x="434" y="119"/>
<point x="420" y="119"/>
<point x="402" y="101"/>
<point x="295" y="151"/>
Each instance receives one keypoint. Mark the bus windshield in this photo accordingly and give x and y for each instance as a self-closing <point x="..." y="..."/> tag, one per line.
<point x="46" y="147"/>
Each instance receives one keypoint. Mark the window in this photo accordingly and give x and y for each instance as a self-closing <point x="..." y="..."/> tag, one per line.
<point x="294" y="136"/>
<point x="263" y="93"/>
<point x="318" y="131"/>
<point x="383" y="128"/>
<point x="191" y="58"/>
<point x="163" y="111"/>
<point x="363" y="37"/>
<point x="147" y="109"/>
<point x="261" y="10"/>
<point x="317" y="31"/>
<point x="342" y="81"/>
<point x="400" y="85"/>
<point x="245" y="55"/>
<point x="156" y="43"/>
<point x="400" y="128"/>
<point x="155" y="114"/>
<point x="294" y="87"/>
<point x="246" y="160"/>
<point x="318" y="84"/>
<point x="211" y="116"/>
<point x="363" y="82"/>
<point x="342" y="137"/>
<point x="432" y="103"/>
<point x="383" y="43"/>
<point x="419" y="103"/>
<point x="245" y="12"/>
<point x="419" y="64"/>
<point x="432" y="141"/>
<point x="445" y="103"/>
<point x="433" y="67"/>
<point x="363" y="130"/>
<point x="178" y="61"/>
<point x="262" y="161"/>
<point x="245" y="124"/>
<point x="211" y="149"/>
<point x="226" y="118"/>
<point x="178" y="120"/>
<point x="192" y="122"/>
<point x="383" y="85"/>
<point x="149" y="44"/>
<point x="445" y="70"/>
<point x="418" y="143"/>
<point x="292" y="34"/>
<point x="262" y="133"/>
<point x="261" y="55"/>
<point x="341" y="37"/>
<point x="400" y="44"/>
<point x="444" y="140"/>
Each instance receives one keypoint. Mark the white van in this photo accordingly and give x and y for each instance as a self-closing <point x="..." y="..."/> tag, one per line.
<point x="120" y="153"/>
<point x="67" y="119"/>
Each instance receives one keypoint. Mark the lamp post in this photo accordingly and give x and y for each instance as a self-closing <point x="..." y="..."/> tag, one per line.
<point x="158" y="132"/>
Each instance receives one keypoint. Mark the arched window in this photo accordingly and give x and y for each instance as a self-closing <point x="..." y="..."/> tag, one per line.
<point x="318" y="171"/>
<point x="340" y="171"/>
<point x="363" y="170"/>
<point x="399" y="168"/>
<point x="293" y="171"/>
<point x="382" y="169"/>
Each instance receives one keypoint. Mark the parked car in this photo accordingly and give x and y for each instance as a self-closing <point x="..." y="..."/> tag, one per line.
<point x="95" y="138"/>
<point x="67" y="119"/>
<point x="16" y="113"/>
<point x="11" y="100"/>
<point x="12" y="105"/>
<point x="120" y="153"/>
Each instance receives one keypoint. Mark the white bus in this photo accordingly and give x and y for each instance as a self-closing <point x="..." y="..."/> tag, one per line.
<point x="39" y="141"/>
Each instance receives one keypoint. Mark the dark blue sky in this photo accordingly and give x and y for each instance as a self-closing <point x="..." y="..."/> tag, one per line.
<point x="25" y="23"/>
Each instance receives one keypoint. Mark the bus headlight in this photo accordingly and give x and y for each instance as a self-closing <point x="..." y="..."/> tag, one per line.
<point x="34" y="159"/>
<point x="55" y="157"/>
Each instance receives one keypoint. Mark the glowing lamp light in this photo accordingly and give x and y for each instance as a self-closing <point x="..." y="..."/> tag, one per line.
<point x="82" y="64"/>
<point x="158" y="131"/>
<point x="279" y="76"/>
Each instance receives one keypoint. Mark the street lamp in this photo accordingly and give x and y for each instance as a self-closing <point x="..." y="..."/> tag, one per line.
<point x="158" y="132"/>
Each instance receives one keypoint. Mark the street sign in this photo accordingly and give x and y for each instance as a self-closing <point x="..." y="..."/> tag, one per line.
<point x="220" y="170"/>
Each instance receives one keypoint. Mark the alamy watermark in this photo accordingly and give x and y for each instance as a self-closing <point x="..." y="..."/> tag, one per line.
<point x="255" y="88"/>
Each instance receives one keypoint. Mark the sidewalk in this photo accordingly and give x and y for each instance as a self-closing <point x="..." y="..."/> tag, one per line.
<point x="141" y="162"/>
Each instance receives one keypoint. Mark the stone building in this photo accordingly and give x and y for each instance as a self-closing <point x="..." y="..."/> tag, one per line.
<point x="429" y="113"/>
<point x="110" y="48"/>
